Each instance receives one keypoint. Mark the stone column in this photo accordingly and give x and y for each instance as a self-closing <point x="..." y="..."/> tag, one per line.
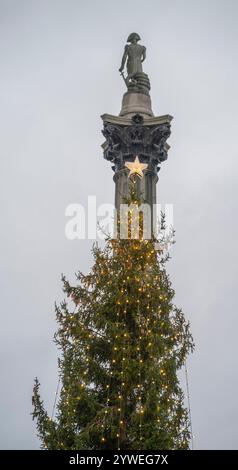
<point x="131" y="135"/>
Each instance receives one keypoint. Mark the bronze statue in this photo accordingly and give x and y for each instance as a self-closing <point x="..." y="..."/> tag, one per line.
<point x="134" y="55"/>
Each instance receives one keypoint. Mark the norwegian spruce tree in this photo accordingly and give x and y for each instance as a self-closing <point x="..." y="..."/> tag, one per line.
<point x="122" y="342"/>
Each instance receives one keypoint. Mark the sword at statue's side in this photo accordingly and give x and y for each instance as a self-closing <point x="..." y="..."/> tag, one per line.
<point x="123" y="76"/>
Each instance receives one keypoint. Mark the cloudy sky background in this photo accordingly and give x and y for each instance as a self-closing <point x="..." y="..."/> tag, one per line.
<point x="59" y="73"/>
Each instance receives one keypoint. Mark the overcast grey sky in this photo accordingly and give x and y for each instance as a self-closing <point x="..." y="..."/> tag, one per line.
<point x="59" y="73"/>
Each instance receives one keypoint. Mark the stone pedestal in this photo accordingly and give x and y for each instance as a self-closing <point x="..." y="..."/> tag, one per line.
<point x="133" y="103"/>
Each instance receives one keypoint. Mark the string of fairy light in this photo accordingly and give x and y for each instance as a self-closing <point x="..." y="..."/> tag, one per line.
<point x="140" y="408"/>
<point x="148" y="322"/>
<point x="189" y="404"/>
<point x="121" y="344"/>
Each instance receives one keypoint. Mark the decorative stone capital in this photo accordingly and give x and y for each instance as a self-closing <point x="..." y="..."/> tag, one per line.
<point x="139" y="137"/>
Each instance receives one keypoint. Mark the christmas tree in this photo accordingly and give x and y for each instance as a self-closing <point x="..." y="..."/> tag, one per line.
<point x="121" y="337"/>
<point x="122" y="342"/>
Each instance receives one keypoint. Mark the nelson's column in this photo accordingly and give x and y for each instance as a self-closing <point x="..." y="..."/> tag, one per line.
<point x="136" y="139"/>
<point x="122" y="340"/>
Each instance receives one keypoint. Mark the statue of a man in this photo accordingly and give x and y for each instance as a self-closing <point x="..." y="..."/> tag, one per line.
<point x="134" y="55"/>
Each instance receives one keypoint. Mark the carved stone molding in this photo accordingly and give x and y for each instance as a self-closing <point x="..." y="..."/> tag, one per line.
<point x="148" y="142"/>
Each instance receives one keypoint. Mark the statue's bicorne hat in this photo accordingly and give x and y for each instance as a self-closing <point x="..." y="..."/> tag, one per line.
<point x="132" y="36"/>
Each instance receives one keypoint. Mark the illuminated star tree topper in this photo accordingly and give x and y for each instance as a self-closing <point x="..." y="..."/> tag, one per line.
<point x="136" y="167"/>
